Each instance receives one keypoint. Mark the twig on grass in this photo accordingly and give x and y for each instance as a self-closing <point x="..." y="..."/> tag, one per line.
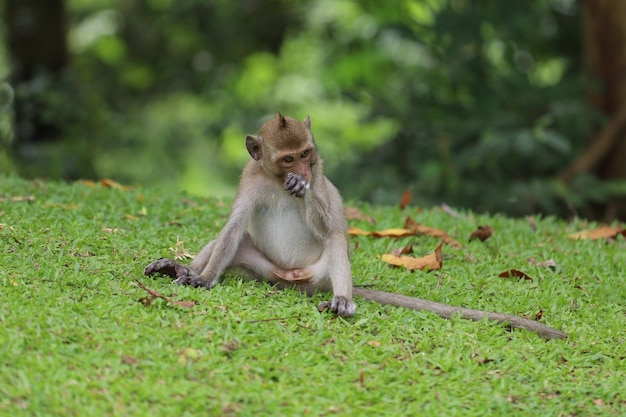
<point x="152" y="295"/>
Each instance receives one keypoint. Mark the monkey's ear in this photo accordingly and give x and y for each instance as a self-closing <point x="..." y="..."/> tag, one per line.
<point x="254" y="144"/>
<point x="307" y="122"/>
<point x="281" y="120"/>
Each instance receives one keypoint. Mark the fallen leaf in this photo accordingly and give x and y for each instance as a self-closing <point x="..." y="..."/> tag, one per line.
<point x="355" y="231"/>
<point x="532" y="223"/>
<point x="374" y="343"/>
<point x="431" y="261"/>
<point x="539" y="315"/>
<point x="602" y="232"/>
<point x="188" y="354"/>
<point x="406" y="199"/>
<point x="545" y="264"/>
<point x="109" y="183"/>
<point x="231" y="346"/>
<point x="18" y="199"/>
<point x="515" y="273"/>
<point x="353" y="213"/>
<point x="403" y="251"/>
<point x="393" y="233"/>
<point x="185" y="304"/>
<point x="482" y="233"/>
<point x="129" y="360"/>
<point x="420" y="229"/>
<point x="88" y="183"/>
<point x="482" y="360"/>
<point x="449" y="210"/>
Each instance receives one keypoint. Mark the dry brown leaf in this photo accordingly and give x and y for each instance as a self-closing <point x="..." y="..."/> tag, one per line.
<point x="482" y="233"/>
<point x="353" y="213"/>
<point x="88" y="183"/>
<point x="406" y="199"/>
<point x="602" y="232"/>
<point x="107" y="182"/>
<point x="431" y="261"/>
<point x="403" y="251"/>
<point x="449" y="210"/>
<point x="420" y="229"/>
<point x="515" y="273"/>
<point x="393" y="233"/>
<point x="545" y="264"/>
<point x="355" y="231"/>
<point x="18" y="198"/>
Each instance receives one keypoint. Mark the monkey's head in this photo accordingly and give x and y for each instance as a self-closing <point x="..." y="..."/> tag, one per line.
<point x="285" y="146"/>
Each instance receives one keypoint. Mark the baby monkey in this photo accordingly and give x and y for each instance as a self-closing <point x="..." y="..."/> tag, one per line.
<point x="287" y="226"/>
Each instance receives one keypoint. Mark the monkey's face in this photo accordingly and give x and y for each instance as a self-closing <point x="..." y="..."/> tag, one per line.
<point x="298" y="162"/>
<point x="286" y="150"/>
<point x="294" y="169"/>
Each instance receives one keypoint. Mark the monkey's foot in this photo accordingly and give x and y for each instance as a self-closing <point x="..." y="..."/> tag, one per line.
<point x="169" y="267"/>
<point x="295" y="274"/>
<point x="195" y="281"/>
<point x="340" y="306"/>
<point x="296" y="184"/>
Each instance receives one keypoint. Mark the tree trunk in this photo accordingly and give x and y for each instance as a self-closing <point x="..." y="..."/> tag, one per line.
<point x="605" y="62"/>
<point x="36" y="41"/>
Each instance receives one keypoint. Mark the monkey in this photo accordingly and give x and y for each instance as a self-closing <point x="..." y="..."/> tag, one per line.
<point x="287" y="226"/>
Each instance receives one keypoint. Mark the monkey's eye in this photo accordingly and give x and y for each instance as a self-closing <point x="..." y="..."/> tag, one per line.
<point x="288" y="159"/>
<point x="304" y="154"/>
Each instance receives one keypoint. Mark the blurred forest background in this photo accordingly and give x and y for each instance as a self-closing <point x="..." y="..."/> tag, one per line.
<point x="509" y="106"/>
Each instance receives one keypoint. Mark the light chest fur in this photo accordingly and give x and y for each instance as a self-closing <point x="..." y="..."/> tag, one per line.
<point x="278" y="226"/>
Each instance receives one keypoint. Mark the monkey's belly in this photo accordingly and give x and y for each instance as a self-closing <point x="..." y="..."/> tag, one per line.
<point x="284" y="238"/>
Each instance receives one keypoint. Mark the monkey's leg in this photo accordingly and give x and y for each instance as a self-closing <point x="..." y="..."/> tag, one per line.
<point x="201" y="259"/>
<point x="254" y="261"/>
<point x="333" y="270"/>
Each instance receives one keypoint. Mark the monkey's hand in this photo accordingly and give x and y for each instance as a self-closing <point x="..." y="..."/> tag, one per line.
<point x="196" y="281"/>
<point x="340" y="306"/>
<point x="296" y="184"/>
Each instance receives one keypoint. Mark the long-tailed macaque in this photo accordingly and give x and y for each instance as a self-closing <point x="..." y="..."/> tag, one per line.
<point x="287" y="226"/>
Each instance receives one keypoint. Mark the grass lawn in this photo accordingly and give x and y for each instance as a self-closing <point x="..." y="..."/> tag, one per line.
<point x="75" y="340"/>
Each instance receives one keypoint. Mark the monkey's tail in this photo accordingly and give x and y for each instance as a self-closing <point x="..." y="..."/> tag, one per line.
<point x="447" y="311"/>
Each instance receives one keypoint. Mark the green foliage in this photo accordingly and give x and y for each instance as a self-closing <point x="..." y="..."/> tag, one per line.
<point x="479" y="104"/>
<point x="76" y="341"/>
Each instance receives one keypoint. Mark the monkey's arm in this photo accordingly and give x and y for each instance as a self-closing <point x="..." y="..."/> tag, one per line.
<point x="448" y="311"/>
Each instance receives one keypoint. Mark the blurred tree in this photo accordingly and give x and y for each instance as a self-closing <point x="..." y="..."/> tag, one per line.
<point x="605" y="65"/>
<point x="36" y="40"/>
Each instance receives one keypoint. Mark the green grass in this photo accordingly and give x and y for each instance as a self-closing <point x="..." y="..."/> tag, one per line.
<point x="76" y="341"/>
